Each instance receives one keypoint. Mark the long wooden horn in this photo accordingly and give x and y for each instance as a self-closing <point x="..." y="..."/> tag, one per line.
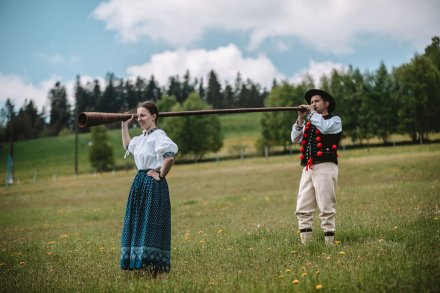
<point x="86" y="119"/>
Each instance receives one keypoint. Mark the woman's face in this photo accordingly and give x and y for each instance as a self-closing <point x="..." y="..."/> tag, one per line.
<point x="145" y="119"/>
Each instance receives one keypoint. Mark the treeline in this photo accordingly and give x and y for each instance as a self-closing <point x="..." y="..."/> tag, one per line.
<point x="119" y="95"/>
<point x="405" y="99"/>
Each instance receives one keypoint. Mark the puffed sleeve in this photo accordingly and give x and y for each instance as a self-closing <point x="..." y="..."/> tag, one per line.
<point x="132" y="144"/>
<point x="329" y="126"/>
<point x="297" y="133"/>
<point x="165" y="147"/>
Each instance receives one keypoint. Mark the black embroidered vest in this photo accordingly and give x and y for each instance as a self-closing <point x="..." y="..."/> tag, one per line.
<point x="317" y="147"/>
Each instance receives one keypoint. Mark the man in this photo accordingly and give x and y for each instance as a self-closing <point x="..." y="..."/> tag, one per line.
<point x="319" y="138"/>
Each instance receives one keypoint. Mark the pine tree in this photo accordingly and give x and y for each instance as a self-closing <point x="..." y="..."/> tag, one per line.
<point x="201" y="91"/>
<point x="187" y="87"/>
<point x="129" y="96"/>
<point x="101" y="152"/>
<point x="60" y="109"/>
<point x="29" y="122"/>
<point x="153" y="90"/>
<point x="213" y="94"/>
<point x="228" y="97"/>
<point x="175" y="89"/>
<point x="110" y="100"/>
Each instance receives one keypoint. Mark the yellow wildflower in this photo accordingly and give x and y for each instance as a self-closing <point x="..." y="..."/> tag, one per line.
<point x="319" y="286"/>
<point x="304" y="274"/>
<point x="295" y="281"/>
<point x="341" y="253"/>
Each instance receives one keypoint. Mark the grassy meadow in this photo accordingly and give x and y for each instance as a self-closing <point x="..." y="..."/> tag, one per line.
<point x="54" y="156"/>
<point x="233" y="228"/>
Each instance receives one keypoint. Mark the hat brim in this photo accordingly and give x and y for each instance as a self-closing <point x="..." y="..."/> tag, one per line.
<point x="325" y="96"/>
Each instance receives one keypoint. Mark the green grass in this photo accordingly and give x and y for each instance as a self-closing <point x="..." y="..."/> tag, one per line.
<point x="242" y="125"/>
<point x="233" y="229"/>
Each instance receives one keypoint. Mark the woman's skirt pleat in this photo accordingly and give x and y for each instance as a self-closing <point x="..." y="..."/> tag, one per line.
<point x="146" y="233"/>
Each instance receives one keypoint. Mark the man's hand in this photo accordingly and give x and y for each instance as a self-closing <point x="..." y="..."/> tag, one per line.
<point x="302" y="113"/>
<point x="311" y="109"/>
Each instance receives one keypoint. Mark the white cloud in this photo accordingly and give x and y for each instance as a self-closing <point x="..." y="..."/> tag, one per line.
<point x="14" y="87"/>
<point x="225" y="61"/>
<point x="316" y="70"/>
<point x="334" y="25"/>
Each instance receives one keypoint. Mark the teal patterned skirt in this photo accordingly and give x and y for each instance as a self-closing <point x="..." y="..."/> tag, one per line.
<point x="146" y="233"/>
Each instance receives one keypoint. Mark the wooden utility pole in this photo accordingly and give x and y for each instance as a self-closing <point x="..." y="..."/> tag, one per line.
<point x="76" y="142"/>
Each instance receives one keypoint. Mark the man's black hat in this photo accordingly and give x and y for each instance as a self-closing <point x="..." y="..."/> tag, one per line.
<point x="324" y="95"/>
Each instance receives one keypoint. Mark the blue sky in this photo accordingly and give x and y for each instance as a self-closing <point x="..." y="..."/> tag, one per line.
<point x="44" y="41"/>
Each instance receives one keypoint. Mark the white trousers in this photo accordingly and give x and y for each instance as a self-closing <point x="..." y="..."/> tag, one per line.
<point x="317" y="189"/>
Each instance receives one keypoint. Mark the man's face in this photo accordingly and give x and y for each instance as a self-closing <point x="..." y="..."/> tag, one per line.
<point x="320" y="106"/>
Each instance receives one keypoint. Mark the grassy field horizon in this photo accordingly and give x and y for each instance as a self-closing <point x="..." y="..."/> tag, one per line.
<point x="233" y="228"/>
<point x="50" y="157"/>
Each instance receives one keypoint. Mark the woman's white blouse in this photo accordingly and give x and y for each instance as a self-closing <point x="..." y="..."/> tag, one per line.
<point x="149" y="150"/>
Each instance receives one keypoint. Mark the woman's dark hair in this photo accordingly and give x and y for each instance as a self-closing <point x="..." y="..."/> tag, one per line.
<point x="151" y="107"/>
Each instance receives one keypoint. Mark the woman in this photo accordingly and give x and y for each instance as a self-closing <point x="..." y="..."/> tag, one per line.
<point x="146" y="234"/>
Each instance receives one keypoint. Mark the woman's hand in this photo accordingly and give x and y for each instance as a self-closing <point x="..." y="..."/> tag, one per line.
<point x="155" y="174"/>
<point x="127" y="122"/>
